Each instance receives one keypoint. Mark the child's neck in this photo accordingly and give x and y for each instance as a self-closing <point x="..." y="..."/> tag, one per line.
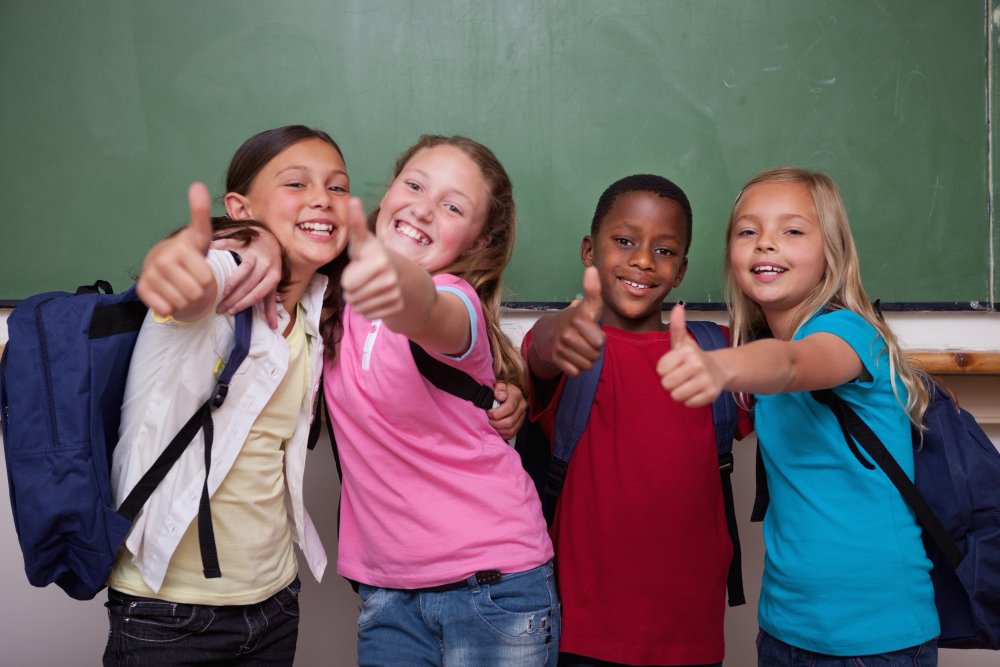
<point x="646" y="324"/>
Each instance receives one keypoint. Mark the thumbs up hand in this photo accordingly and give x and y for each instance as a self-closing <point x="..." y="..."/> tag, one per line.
<point x="691" y="375"/>
<point x="370" y="281"/>
<point x="176" y="279"/>
<point x="572" y="339"/>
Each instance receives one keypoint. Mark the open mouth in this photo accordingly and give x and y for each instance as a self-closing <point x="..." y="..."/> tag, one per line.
<point x="317" y="228"/>
<point x="411" y="232"/>
<point x="635" y="285"/>
<point x="767" y="270"/>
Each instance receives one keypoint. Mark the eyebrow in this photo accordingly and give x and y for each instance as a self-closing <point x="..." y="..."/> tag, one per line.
<point x="305" y="168"/>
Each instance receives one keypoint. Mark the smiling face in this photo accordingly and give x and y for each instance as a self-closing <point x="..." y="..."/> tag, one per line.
<point x="301" y="196"/>
<point x="639" y="254"/>
<point x="776" y="252"/>
<point x="435" y="209"/>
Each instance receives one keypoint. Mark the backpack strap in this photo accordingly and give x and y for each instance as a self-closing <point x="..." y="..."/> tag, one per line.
<point x="725" y="419"/>
<point x="572" y="414"/>
<point x="853" y="426"/>
<point x="452" y="380"/>
<point x="201" y="419"/>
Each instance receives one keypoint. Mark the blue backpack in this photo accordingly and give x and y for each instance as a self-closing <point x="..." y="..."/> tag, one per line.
<point x="547" y="463"/>
<point x="62" y="379"/>
<point x="956" y="498"/>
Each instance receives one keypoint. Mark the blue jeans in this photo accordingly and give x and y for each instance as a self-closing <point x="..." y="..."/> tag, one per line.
<point x="772" y="652"/>
<point x="154" y="633"/>
<point x="514" y="622"/>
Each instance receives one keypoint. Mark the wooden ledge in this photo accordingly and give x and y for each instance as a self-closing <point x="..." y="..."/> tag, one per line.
<point x="956" y="362"/>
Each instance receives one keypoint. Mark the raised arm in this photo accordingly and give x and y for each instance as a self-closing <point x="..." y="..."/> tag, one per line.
<point x="695" y="377"/>
<point x="571" y="340"/>
<point x="379" y="283"/>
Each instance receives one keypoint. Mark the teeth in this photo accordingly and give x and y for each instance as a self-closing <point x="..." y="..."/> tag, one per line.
<point x="411" y="233"/>
<point x="767" y="268"/>
<point x="634" y="284"/>
<point x="317" y="227"/>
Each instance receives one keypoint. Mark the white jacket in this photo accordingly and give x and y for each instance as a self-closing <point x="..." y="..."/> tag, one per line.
<point x="171" y="375"/>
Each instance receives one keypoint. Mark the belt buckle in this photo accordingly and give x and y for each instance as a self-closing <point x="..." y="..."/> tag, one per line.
<point x="488" y="576"/>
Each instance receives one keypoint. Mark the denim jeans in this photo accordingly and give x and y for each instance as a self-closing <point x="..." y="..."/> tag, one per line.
<point x="156" y="633"/>
<point x="514" y="622"/>
<point x="772" y="652"/>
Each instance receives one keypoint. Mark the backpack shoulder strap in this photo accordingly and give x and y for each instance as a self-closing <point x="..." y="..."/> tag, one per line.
<point x="572" y="415"/>
<point x="452" y="380"/>
<point x="853" y="426"/>
<point x="201" y="419"/>
<point x="725" y="417"/>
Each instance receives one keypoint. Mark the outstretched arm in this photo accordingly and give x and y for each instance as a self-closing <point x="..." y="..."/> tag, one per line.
<point x="571" y="340"/>
<point x="176" y="279"/>
<point x="695" y="377"/>
<point x="257" y="277"/>
<point x="380" y="283"/>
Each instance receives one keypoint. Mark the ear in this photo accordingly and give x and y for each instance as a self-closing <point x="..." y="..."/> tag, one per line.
<point x="238" y="206"/>
<point x="587" y="250"/>
<point x="680" y="273"/>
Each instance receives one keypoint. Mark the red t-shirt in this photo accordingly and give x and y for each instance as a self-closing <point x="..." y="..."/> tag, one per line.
<point x="642" y="550"/>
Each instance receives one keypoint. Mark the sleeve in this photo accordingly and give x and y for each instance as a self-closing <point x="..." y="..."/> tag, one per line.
<point x="477" y="360"/>
<point x="857" y="332"/>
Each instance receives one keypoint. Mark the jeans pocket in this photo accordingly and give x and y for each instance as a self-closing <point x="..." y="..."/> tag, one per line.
<point x="520" y="605"/>
<point x="287" y="598"/>
<point x="160" y="621"/>
<point x="373" y="600"/>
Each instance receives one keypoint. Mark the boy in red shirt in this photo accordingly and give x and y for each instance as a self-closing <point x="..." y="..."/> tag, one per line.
<point x="642" y="549"/>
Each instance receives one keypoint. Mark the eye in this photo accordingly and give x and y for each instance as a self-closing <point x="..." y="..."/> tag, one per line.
<point x="794" y="232"/>
<point x="746" y="232"/>
<point x="664" y="252"/>
<point x="413" y="185"/>
<point x="453" y="209"/>
<point x="295" y="184"/>
<point x="622" y="241"/>
<point x="339" y="189"/>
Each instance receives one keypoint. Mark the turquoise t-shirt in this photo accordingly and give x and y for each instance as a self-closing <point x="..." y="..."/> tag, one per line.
<point x="845" y="571"/>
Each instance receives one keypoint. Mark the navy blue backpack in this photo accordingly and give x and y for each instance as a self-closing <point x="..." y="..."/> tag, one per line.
<point x="956" y="498"/>
<point x="547" y="463"/>
<point x="62" y="379"/>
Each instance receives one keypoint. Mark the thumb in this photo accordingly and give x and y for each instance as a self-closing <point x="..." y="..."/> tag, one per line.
<point x="678" y="328"/>
<point x="357" y="228"/>
<point x="199" y="227"/>
<point x="592" y="302"/>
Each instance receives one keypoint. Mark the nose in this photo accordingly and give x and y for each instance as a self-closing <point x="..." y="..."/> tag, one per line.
<point x="421" y="209"/>
<point x="642" y="257"/>
<point x="766" y="242"/>
<point x="321" y="198"/>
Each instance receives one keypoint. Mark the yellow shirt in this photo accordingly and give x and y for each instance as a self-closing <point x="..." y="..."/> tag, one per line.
<point x="252" y="526"/>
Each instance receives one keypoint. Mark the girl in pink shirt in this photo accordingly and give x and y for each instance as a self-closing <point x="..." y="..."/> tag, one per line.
<point x="440" y="525"/>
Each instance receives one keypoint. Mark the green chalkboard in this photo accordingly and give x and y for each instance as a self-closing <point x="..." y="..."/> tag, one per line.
<point x="108" y="108"/>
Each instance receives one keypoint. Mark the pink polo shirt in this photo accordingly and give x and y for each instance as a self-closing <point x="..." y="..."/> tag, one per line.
<point x="431" y="493"/>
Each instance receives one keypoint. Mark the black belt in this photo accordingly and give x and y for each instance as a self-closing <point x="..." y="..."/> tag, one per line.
<point x="482" y="577"/>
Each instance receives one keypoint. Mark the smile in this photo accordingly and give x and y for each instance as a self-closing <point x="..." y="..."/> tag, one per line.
<point x="636" y="285"/>
<point x="411" y="232"/>
<point x="312" y="227"/>
<point x="767" y="269"/>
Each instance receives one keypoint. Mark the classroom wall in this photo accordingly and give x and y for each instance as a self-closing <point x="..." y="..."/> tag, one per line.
<point x="44" y="627"/>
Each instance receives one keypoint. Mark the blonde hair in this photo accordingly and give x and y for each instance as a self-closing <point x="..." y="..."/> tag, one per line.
<point x="483" y="264"/>
<point x="839" y="288"/>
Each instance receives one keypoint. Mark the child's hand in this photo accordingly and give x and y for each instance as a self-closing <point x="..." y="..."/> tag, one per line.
<point x="686" y="371"/>
<point x="370" y="280"/>
<point x="176" y="279"/>
<point x="508" y="417"/>
<point x="576" y="339"/>
<point x="257" y="277"/>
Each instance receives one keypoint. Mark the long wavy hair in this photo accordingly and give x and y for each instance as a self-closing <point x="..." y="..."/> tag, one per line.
<point x="482" y="265"/>
<point x="839" y="287"/>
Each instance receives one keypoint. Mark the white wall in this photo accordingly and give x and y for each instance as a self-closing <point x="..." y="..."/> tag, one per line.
<point x="43" y="627"/>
